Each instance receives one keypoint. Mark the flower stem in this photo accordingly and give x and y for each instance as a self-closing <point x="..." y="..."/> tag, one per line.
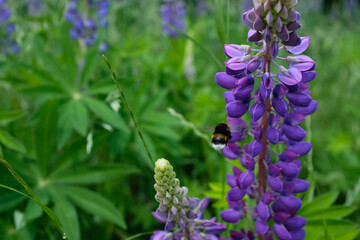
<point x="264" y="140"/>
<point x="113" y="75"/>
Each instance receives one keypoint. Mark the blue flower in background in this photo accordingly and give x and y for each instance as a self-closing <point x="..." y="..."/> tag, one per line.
<point x="173" y="14"/>
<point x="7" y="41"/>
<point x="34" y="7"/>
<point x="86" y="27"/>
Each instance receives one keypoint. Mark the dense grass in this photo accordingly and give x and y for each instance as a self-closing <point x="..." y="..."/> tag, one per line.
<point x="50" y="106"/>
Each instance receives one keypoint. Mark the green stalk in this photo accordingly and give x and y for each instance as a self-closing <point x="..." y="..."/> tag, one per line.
<point x="114" y="77"/>
<point x="32" y="195"/>
<point x="139" y="235"/>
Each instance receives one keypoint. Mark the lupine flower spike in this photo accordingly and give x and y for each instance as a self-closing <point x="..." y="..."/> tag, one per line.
<point x="182" y="215"/>
<point x="86" y="25"/>
<point x="277" y="103"/>
<point x="173" y="14"/>
<point x="7" y="42"/>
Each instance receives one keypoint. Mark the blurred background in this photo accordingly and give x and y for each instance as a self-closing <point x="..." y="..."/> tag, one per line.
<point x="65" y="130"/>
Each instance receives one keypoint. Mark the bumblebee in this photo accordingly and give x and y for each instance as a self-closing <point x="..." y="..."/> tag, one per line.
<point x="221" y="136"/>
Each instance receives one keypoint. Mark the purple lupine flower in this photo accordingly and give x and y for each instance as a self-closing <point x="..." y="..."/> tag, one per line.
<point x="7" y="43"/>
<point x="173" y="14"/>
<point x="34" y="7"/>
<point x="86" y="28"/>
<point x="182" y="215"/>
<point x="277" y="102"/>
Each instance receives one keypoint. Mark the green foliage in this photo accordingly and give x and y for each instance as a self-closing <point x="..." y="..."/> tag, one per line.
<point x="66" y="131"/>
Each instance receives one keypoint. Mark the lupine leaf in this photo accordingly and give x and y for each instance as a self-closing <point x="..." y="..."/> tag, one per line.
<point x="95" y="174"/>
<point x="96" y="204"/>
<point x="79" y="116"/>
<point x="46" y="134"/>
<point x="334" y="212"/>
<point x="161" y="131"/>
<point x="90" y="65"/>
<point x="67" y="214"/>
<point x="10" y="200"/>
<point x="9" y="116"/>
<point x="64" y="126"/>
<point x="153" y="103"/>
<point x="220" y="25"/>
<point x="322" y="202"/>
<point x="163" y="119"/>
<point x="103" y="86"/>
<point x="11" y="142"/>
<point x="315" y="228"/>
<point x="105" y="113"/>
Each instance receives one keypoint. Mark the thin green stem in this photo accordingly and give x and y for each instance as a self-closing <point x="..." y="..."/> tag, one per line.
<point x="139" y="235"/>
<point x="33" y="196"/>
<point x="15" y="190"/>
<point x="198" y="44"/>
<point x="114" y="77"/>
<point x="228" y="22"/>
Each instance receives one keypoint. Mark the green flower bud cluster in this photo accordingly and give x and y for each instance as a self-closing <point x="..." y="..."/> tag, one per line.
<point x="167" y="186"/>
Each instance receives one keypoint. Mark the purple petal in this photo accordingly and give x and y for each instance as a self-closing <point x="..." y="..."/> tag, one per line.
<point x="254" y="148"/>
<point x="235" y="65"/>
<point x="203" y="204"/>
<point x="280" y="91"/>
<point x="259" y="24"/>
<point x="236" y="194"/>
<point x="298" y="234"/>
<point x="306" y="110"/>
<point x="293" y="26"/>
<point x="216" y="229"/>
<point x="284" y="13"/>
<point x="290" y="170"/>
<point x="278" y="24"/>
<point x="273" y="135"/>
<point x="233" y="50"/>
<point x="281" y="217"/>
<point x="253" y="36"/>
<point x="299" y="99"/>
<point x="305" y="41"/>
<point x="292" y="15"/>
<point x="288" y="156"/>
<point x="246" y="19"/>
<point x="236" y="109"/>
<point x="263" y="210"/>
<point x="294" y="40"/>
<point x="301" y="185"/>
<point x="159" y="235"/>
<point x="294" y="118"/>
<point x="301" y="62"/>
<point x="264" y="91"/>
<point x="284" y="34"/>
<point x="290" y="77"/>
<point x="253" y="65"/>
<point x="278" y="206"/>
<point x="281" y="232"/>
<point x="247" y="162"/>
<point x="246" y="179"/>
<point x="295" y="222"/>
<point x="274" y="49"/>
<point x="291" y="202"/>
<point x="308" y="76"/>
<point x="245" y="81"/>
<point x="257" y="110"/>
<point x="275" y="184"/>
<point x="232" y="151"/>
<point x="231" y="180"/>
<point x="274" y="170"/>
<point x="280" y="106"/>
<point x="160" y="216"/>
<point x="295" y="133"/>
<point x="231" y="216"/>
<point x="269" y="17"/>
<point x="241" y="93"/>
<point x="229" y="96"/>
<point x="267" y="34"/>
<point x="226" y="81"/>
<point x="261" y="227"/>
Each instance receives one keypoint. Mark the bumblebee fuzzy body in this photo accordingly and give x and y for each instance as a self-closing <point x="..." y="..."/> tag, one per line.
<point x="221" y="136"/>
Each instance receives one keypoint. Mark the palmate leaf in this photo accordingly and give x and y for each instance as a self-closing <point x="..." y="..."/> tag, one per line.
<point x="10" y="116"/>
<point x="94" y="174"/>
<point x="11" y="142"/>
<point x="94" y="203"/>
<point x="322" y="202"/>
<point x="105" y="113"/>
<point x="46" y="134"/>
<point x="90" y="65"/>
<point x="67" y="214"/>
<point x="318" y="229"/>
<point x="334" y="212"/>
<point x="79" y="116"/>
